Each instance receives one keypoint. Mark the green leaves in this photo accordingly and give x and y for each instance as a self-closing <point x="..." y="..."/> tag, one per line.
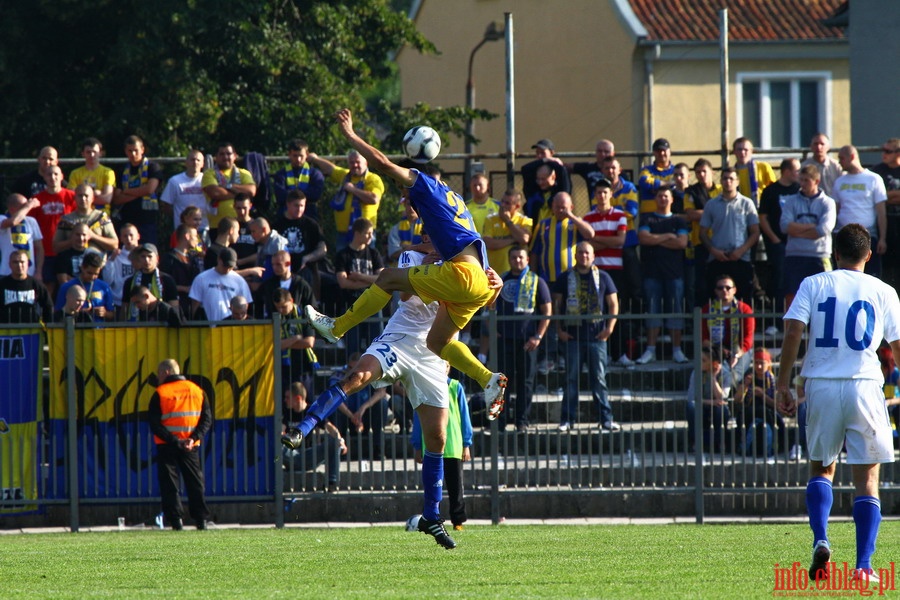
<point x="187" y="74"/>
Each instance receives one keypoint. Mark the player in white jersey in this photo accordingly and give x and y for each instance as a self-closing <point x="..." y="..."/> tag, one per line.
<point x="848" y="313"/>
<point x="401" y="353"/>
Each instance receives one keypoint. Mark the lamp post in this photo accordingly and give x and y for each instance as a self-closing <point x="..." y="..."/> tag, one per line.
<point x="491" y="34"/>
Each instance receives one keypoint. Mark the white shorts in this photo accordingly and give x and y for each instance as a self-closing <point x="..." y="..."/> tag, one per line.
<point x="851" y="411"/>
<point x="407" y="359"/>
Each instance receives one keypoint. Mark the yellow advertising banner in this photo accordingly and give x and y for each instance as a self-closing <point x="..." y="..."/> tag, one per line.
<point x="21" y="360"/>
<point x="115" y="368"/>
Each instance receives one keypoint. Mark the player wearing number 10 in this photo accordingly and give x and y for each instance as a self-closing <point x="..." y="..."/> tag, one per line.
<point x="460" y="283"/>
<point x="848" y="313"/>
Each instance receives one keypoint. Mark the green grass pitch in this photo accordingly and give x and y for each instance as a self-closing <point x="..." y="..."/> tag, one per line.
<point x="509" y="561"/>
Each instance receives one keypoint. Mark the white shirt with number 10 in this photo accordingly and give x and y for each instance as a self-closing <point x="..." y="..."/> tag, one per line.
<point x="848" y="314"/>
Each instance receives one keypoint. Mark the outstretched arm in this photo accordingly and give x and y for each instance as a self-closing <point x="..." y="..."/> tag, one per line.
<point x="375" y="157"/>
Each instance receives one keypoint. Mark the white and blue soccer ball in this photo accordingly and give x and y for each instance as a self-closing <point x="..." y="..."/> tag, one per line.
<point x="412" y="523"/>
<point x="421" y="144"/>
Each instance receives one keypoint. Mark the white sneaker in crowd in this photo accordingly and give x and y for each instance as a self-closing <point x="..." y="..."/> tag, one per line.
<point x="649" y="355"/>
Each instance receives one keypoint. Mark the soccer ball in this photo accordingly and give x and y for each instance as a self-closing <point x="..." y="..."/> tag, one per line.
<point x="421" y="144"/>
<point x="412" y="523"/>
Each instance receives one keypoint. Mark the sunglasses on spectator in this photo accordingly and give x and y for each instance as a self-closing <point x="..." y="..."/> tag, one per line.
<point x="890" y="150"/>
<point x="724" y="288"/>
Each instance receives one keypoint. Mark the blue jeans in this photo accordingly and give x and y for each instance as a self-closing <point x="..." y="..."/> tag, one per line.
<point x="664" y="296"/>
<point x="594" y="352"/>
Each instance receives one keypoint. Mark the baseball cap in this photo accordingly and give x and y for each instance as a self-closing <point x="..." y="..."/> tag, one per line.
<point x="148" y="247"/>
<point x="544" y="145"/>
<point x="228" y="257"/>
<point x="661" y="144"/>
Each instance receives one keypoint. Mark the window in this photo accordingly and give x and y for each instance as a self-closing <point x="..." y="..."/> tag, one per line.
<point x="783" y="110"/>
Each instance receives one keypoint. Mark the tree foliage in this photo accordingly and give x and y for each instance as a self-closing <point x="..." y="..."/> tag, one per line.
<point x="188" y="73"/>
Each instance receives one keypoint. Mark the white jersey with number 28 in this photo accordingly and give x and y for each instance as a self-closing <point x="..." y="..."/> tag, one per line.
<point x="848" y="314"/>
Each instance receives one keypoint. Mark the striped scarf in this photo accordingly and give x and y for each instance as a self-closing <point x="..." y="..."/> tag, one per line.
<point x="525" y="291"/>
<point x="573" y="303"/>
<point x="148" y="202"/>
<point x="156" y="288"/>
<point x="717" y="325"/>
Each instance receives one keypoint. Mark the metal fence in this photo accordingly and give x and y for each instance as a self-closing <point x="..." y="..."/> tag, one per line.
<point x="98" y="449"/>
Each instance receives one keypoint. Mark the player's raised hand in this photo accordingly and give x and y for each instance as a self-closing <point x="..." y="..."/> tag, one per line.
<point x="345" y="121"/>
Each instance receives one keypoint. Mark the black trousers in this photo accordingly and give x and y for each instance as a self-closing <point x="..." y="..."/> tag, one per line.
<point x="172" y="461"/>
<point x="520" y="366"/>
<point x="453" y="483"/>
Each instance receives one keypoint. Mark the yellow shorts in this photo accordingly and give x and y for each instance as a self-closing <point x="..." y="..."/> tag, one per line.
<point x="461" y="286"/>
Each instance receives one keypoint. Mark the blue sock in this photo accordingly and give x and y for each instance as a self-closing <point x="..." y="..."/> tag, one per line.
<point x="867" y="516"/>
<point x="322" y="408"/>
<point x="819" y="498"/>
<point x="432" y="484"/>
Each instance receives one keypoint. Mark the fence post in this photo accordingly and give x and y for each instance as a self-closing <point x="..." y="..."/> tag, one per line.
<point x="72" y="428"/>
<point x="698" y="416"/>
<point x="279" y="394"/>
<point x="495" y="430"/>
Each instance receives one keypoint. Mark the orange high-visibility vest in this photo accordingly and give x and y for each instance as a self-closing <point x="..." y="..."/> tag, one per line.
<point x="180" y="403"/>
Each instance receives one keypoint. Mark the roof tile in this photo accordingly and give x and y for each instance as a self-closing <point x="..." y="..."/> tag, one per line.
<point x="748" y="20"/>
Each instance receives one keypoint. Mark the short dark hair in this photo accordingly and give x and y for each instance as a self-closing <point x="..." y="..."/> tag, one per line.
<point x="788" y="163"/>
<point x="714" y="354"/>
<point x="139" y="290"/>
<point x="92" y="259"/>
<point x="182" y="230"/>
<point x="298" y="144"/>
<point x="90" y="142"/>
<point x="295" y="195"/>
<point x="702" y="162"/>
<point x="133" y="140"/>
<point x="853" y="242"/>
<point x="361" y="225"/>
<point x="226" y="223"/>
<point x="281" y="295"/>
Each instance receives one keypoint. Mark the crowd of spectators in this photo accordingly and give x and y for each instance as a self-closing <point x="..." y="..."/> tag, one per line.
<point x="90" y="245"/>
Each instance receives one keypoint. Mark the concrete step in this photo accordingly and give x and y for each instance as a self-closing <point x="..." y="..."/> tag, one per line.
<point x="646" y="470"/>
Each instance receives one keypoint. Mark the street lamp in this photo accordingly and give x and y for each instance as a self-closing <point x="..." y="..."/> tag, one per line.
<point x="491" y="34"/>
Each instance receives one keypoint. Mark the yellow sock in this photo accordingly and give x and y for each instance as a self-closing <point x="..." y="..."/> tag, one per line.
<point x="371" y="301"/>
<point x="460" y="357"/>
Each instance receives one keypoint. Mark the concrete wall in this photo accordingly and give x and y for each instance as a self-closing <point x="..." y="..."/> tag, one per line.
<point x="572" y="69"/>
<point x="875" y="68"/>
<point x="580" y="76"/>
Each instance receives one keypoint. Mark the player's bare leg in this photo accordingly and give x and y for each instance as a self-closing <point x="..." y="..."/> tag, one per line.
<point x="441" y="341"/>
<point x="369" y="303"/>
<point x="367" y="370"/>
